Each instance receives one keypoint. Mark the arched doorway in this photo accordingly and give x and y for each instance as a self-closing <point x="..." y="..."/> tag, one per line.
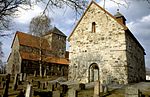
<point x="93" y="72"/>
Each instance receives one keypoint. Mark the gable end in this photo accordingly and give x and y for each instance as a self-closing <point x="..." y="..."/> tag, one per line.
<point x="92" y="2"/>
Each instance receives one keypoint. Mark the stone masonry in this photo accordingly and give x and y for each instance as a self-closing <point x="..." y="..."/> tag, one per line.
<point x="57" y="42"/>
<point x="15" y="62"/>
<point x="112" y="47"/>
<point x="135" y="61"/>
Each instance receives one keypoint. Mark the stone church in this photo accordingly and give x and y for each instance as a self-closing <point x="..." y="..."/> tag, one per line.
<point x="29" y="51"/>
<point x="103" y="48"/>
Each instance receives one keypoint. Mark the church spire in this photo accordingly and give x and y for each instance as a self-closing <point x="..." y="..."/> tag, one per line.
<point x="120" y="17"/>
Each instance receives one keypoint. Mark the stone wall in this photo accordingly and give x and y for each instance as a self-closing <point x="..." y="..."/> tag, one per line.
<point x="9" y="64"/>
<point x="59" y="45"/>
<point x="135" y="60"/>
<point x="14" y="61"/>
<point x="106" y="47"/>
<point x="49" y="39"/>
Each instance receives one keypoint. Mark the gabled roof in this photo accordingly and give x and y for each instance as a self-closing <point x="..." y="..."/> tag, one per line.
<point x="93" y="2"/>
<point x="114" y="17"/>
<point x="55" y="30"/>
<point x="34" y="41"/>
<point x="48" y="59"/>
<point x="31" y="41"/>
<point x="9" y="57"/>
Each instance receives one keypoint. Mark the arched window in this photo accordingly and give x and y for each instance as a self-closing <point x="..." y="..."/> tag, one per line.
<point x="93" y="27"/>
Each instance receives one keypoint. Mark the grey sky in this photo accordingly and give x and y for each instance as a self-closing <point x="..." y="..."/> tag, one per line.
<point x="137" y="15"/>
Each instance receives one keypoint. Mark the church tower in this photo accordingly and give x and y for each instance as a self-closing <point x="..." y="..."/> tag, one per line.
<point x="57" y="42"/>
<point x="120" y="18"/>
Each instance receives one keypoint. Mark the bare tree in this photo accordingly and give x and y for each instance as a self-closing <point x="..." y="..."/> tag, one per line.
<point x="40" y="25"/>
<point x="7" y="10"/>
<point x="9" y="7"/>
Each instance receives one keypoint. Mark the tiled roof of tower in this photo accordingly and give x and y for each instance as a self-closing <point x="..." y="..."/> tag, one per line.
<point x="32" y="41"/>
<point x="118" y="14"/>
<point x="48" y="59"/>
<point x="56" y="31"/>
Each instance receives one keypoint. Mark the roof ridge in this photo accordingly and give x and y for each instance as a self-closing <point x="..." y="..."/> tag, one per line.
<point x="56" y="31"/>
<point x="124" y="26"/>
<point x="18" y="32"/>
<point x="30" y="40"/>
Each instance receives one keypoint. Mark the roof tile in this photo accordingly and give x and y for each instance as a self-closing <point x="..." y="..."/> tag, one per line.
<point x="35" y="57"/>
<point x="32" y="41"/>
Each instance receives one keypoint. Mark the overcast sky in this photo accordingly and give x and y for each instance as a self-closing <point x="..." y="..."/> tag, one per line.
<point x="137" y="13"/>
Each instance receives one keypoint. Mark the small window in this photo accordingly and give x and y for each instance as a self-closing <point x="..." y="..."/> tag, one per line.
<point x="93" y="27"/>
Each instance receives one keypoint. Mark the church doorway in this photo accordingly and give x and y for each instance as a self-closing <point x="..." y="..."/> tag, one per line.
<point x="93" y="72"/>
